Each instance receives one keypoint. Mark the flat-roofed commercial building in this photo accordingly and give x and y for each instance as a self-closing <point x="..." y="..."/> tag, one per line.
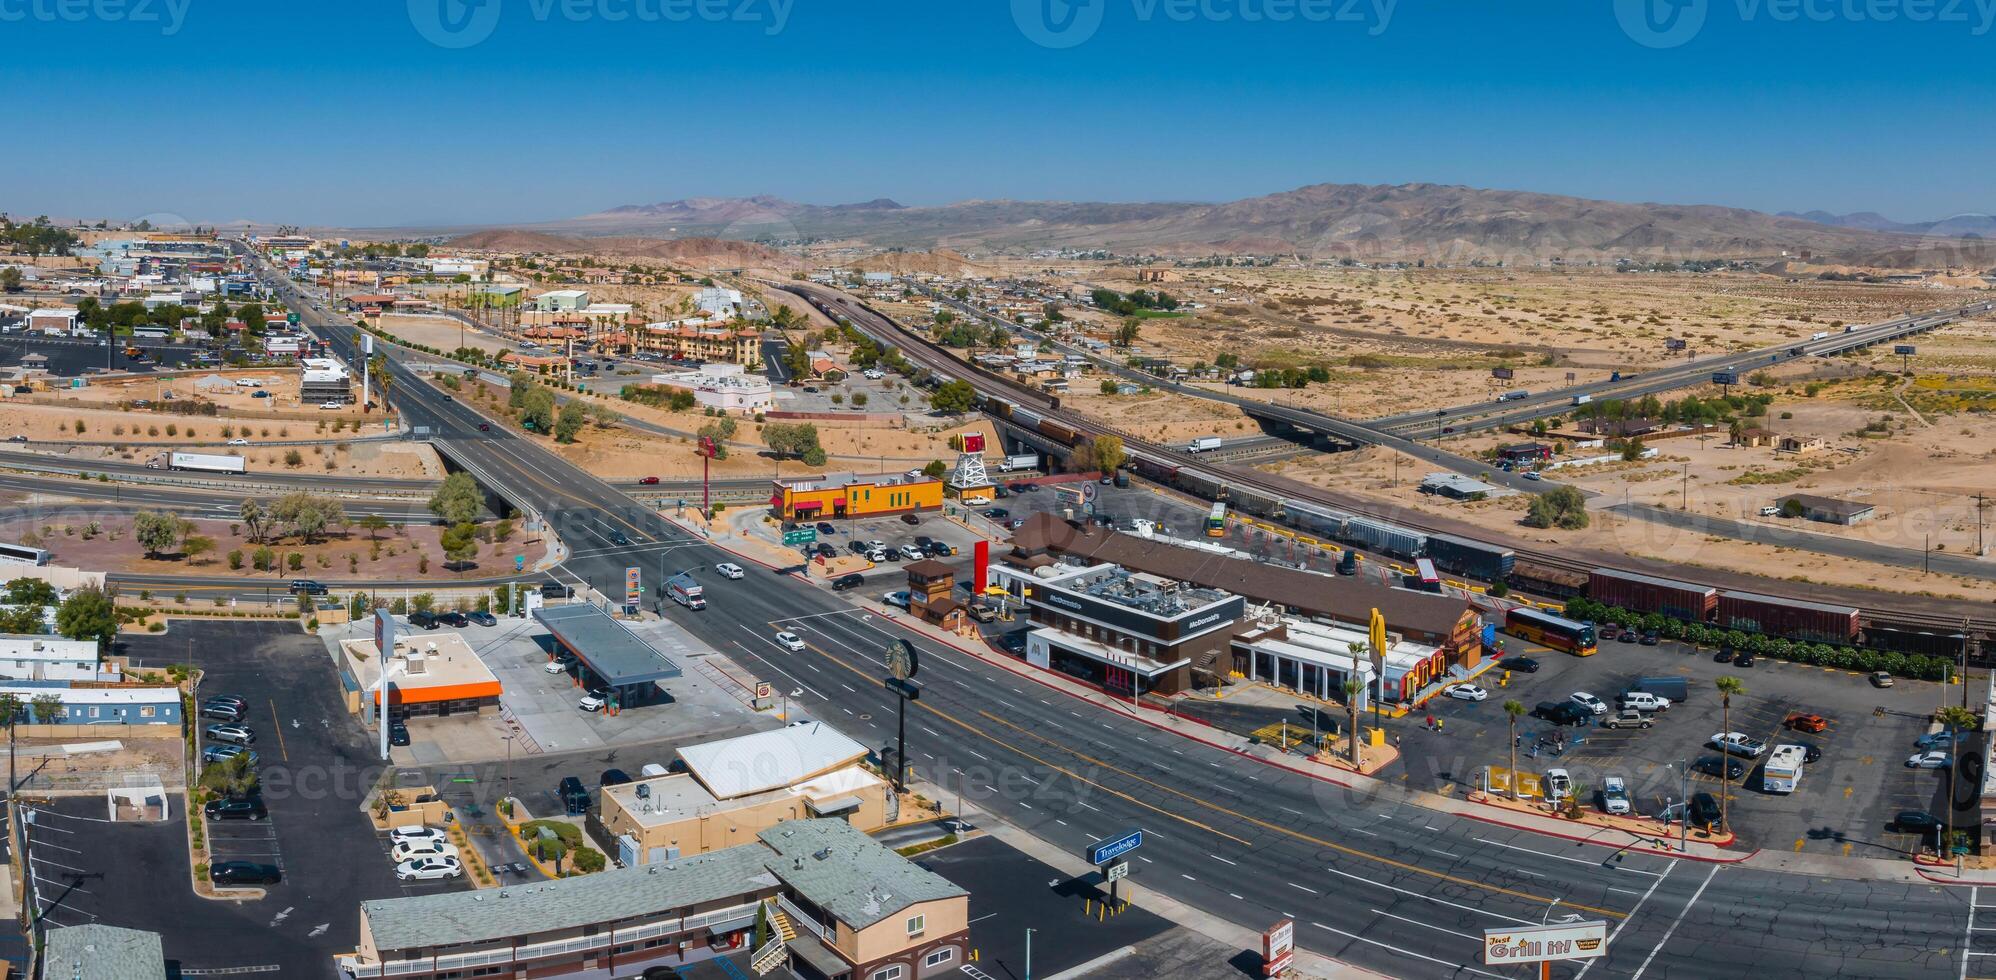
<point x="97" y="952"/>
<point x="859" y="912"/>
<point x="702" y="340"/>
<point x="722" y="387"/>
<point x="735" y="788"/>
<point x="1316" y="659"/>
<point x="52" y="658"/>
<point x="851" y="495"/>
<point x="1124" y="631"/>
<point x="434" y="674"/>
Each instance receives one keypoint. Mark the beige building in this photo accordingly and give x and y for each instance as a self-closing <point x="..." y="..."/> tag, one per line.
<point x="430" y="674"/>
<point x="736" y="788"/>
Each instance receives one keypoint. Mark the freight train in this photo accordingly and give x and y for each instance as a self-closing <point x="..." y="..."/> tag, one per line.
<point x="1750" y="612"/>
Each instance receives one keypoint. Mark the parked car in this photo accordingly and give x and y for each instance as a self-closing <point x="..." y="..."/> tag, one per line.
<point x="221" y="712"/>
<point x="482" y="618"/>
<point x="613" y="777"/>
<point x="880" y="555"/>
<point x="1643" y="701"/>
<point x="1629" y="636"/>
<point x="246" y="808"/>
<point x="1614" y="795"/>
<point x="825" y="527"/>
<point x="1942" y="739"/>
<point x="911" y="520"/>
<point x="453" y="619"/>
<point x="1467" y="692"/>
<point x="1521" y="664"/>
<point x="897" y="598"/>
<point x="982" y="612"/>
<point x="592" y="702"/>
<point x="1559" y="784"/>
<point x="231" y="734"/>
<point x="1561" y="712"/>
<point x="423" y="620"/>
<point x="1627" y="718"/>
<point x="558" y="665"/>
<point x="997" y="513"/>
<point x="429" y="869"/>
<point x="790" y="641"/>
<point x="1806" y="722"/>
<point x="1724" y="656"/>
<point x="233" y="699"/>
<point x="556" y="590"/>
<point x="228" y="873"/>
<point x="410" y="850"/>
<point x="1744" y="659"/>
<point x="1704" y="811"/>
<point x="941" y="549"/>
<point x="1881" y="678"/>
<point x="858" y="548"/>
<point x="1915" y="822"/>
<point x="824" y="550"/>
<point x="728" y="569"/>
<point x="1651" y="638"/>
<point x="405" y="835"/>
<point x="1720" y="767"/>
<point x="850" y="580"/>
<point x="1931" y="759"/>
<point x="223" y="753"/>
<point x="398" y="733"/>
<point x="1736" y="743"/>
<point x="912" y="553"/>
<point x="1592" y="704"/>
<point x="574" y="798"/>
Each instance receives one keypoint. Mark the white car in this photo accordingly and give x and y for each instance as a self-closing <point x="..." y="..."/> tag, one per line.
<point x="790" y="641"/>
<point x="1644" y="701"/>
<point x="429" y="869"/>
<point x="592" y="702"/>
<point x="1614" y="795"/>
<point x="1593" y="704"/>
<point x="1467" y="692"/>
<point x="1934" y="759"/>
<point x="239" y="442"/>
<point x="1736" y="743"/>
<point x="877" y="556"/>
<point x="911" y="553"/>
<point x="556" y="667"/>
<point x="729" y="569"/>
<point x="406" y="835"/>
<point x="414" y="849"/>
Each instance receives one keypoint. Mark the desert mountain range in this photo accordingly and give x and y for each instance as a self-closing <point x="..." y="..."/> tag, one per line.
<point x="1403" y="221"/>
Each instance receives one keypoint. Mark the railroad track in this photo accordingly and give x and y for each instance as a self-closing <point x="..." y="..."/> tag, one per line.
<point x="921" y="351"/>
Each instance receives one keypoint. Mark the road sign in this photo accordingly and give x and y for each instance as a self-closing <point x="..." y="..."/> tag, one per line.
<point x="1905" y="350"/>
<point x="1278" y="947"/>
<point x="634" y="588"/>
<point x="1725" y="377"/>
<point x="1116" y="872"/>
<point x="1538" y="944"/>
<point x="803" y="535"/>
<point x="291" y="318"/>
<point x="1113" y="848"/>
<point x="519" y="562"/>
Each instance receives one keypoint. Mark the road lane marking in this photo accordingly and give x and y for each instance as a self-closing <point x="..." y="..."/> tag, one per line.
<point x="1443" y="901"/>
<point x="1563" y="857"/>
<point x="1425" y="925"/>
<point x="1453" y="967"/>
<point x="1674" y="923"/>
<point x="1632" y="914"/>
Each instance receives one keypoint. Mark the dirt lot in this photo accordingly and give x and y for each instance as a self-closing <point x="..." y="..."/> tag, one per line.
<point x="440" y="332"/>
<point x="395" y="553"/>
<point x="280" y="384"/>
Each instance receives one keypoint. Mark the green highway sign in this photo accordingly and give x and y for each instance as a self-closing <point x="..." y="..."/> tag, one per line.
<point x="803" y="535"/>
<point x="291" y="318"/>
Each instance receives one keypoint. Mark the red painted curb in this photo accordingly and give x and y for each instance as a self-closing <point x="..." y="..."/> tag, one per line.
<point x="1957" y="882"/>
<point x="1680" y="855"/>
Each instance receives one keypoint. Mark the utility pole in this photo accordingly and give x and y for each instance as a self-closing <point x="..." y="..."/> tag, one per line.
<point x="1980" y="502"/>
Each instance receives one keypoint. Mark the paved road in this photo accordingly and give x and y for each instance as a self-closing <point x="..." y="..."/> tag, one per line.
<point x="1945" y="563"/>
<point x="1374" y="880"/>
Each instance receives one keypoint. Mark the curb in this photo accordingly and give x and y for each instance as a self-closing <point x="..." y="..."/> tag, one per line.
<point x="1600" y="843"/>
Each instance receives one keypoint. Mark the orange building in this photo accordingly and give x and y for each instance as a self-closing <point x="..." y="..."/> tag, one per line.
<point x="434" y="674"/>
<point x="851" y="495"/>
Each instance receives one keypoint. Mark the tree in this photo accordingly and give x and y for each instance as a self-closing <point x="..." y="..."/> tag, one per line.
<point x="193" y="546"/>
<point x="935" y="470"/>
<point x="457" y="500"/>
<point x="254" y="518"/>
<point x="158" y="533"/>
<point x="1128" y="332"/>
<point x="1727" y="686"/>
<point x="88" y="614"/>
<point x="460" y="542"/>
<point x="26" y="591"/>
<point x="307" y="513"/>
<point x="10" y="279"/>
<point x="374" y="523"/>
<point x="796" y="360"/>
<point x="718" y="431"/>
<point x="46" y="706"/>
<point x="537" y="410"/>
<point x="570" y="421"/>
<point x="953" y="398"/>
<point x="786" y="439"/>
<point x="1632" y="450"/>
<point x="1106" y="453"/>
<point x="1561" y="507"/>
<point x="1513" y="710"/>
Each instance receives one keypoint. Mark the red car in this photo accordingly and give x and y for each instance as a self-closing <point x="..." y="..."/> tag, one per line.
<point x="1807" y="723"/>
<point x="485" y="427"/>
<point x="648" y="481"/>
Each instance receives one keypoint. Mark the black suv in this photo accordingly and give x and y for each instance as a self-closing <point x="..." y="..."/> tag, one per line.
<point x="850" y="580"/>
<point x="305" y="586"/>
<point x="423" y="620"/>
<point x="556" y="590"/>
<point x="573" y="796"/>
<point x="454" y="620"/>
<point x="1561" y="712"/>
<point x="235" y="809"/>
<point x="244" y="873"/>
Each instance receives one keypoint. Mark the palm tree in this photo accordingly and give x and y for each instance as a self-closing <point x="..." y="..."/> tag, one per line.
<point x="1728" y="686"/>
<point x="1352" y="686"/>
<point x="1956" y="719"/>
<point x="1513" y="710"/>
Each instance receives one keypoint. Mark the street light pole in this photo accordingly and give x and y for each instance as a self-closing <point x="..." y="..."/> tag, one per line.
<point x="1029" y="953"/>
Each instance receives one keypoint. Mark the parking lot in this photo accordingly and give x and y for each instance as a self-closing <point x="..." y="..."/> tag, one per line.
<point x="72" y="356"/>
<point x="1842" y="804"/>
<point x="315" y="769"/>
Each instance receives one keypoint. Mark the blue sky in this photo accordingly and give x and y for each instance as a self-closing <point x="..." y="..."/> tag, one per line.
<point x="349" y="114"/>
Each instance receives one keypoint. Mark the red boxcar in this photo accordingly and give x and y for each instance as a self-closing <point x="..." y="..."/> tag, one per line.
<point x="1795" y="619"/>
<point x="1644" y="593"/>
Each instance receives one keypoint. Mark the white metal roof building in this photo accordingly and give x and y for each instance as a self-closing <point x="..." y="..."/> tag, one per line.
<point x="49" y="658"/>
<point x="770" y="760"/>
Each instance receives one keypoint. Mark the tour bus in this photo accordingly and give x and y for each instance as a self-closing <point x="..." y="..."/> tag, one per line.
<point x="1546" y="629"/>
<point x="1216" y="521"/>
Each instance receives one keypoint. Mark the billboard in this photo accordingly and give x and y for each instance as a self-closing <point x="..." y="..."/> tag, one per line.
<point x="973" y="442"/>
<point x="1538" y="944"/>
<point x="1905" y="350"/>
<point x="1278" y="947"/>
<point x="384" y="631"/>
<point x="1503" y="373"/>
<point x="1725" y="377"/>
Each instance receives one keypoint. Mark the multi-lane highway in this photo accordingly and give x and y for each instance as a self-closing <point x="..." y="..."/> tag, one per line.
<point x="1375" y="880"/>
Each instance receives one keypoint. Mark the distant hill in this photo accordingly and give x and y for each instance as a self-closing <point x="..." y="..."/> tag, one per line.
<point x="1404" y="221"/>
<point x="1958" y="226"/>
<point x="697" y="252"/>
